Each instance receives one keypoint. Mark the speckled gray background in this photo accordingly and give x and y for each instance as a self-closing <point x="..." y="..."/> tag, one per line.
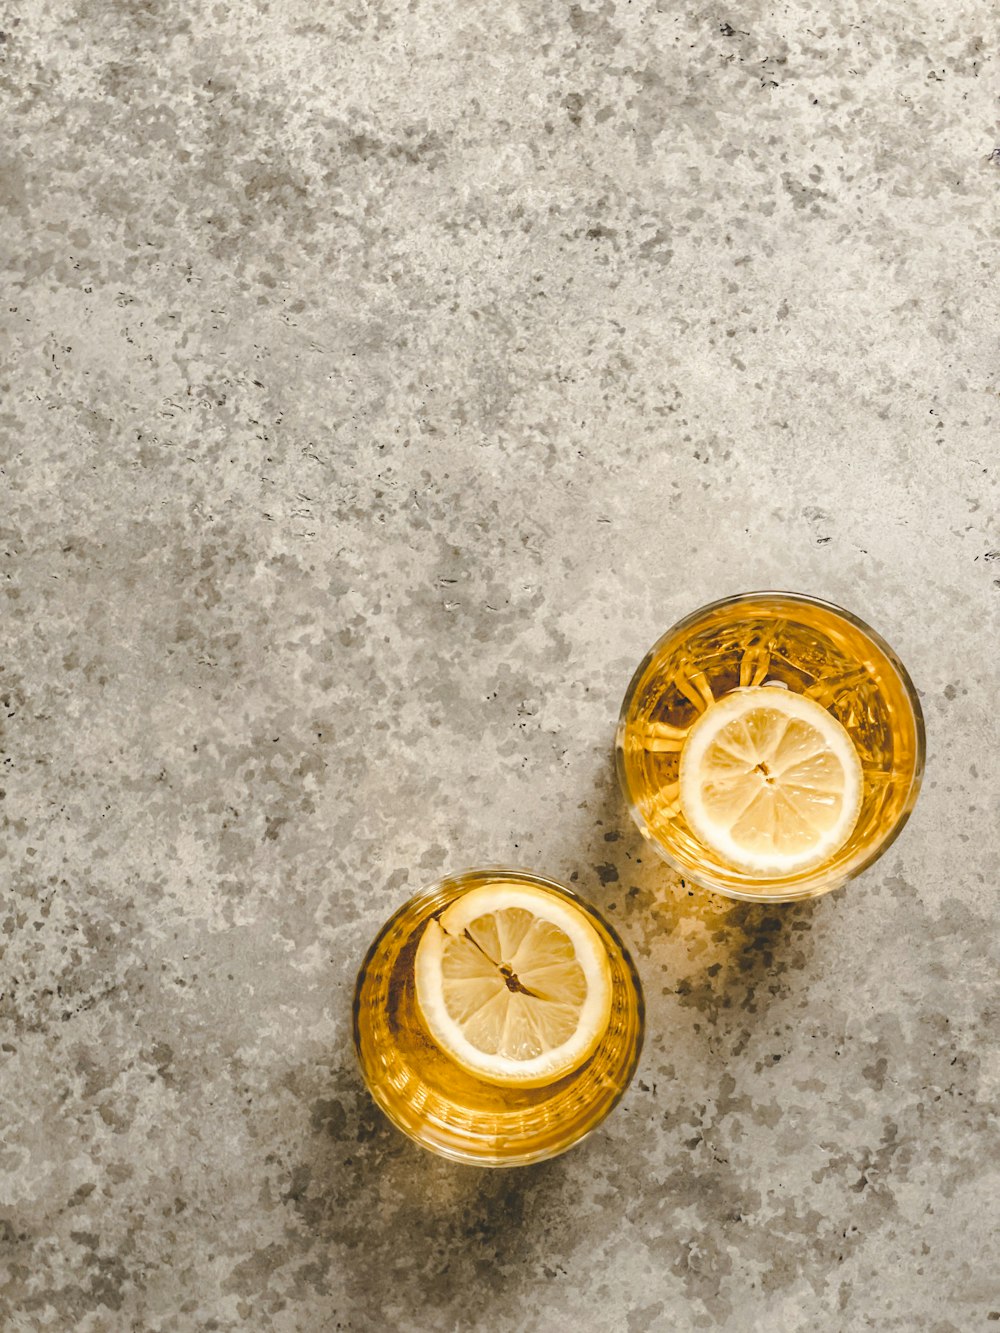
<point x="380" y="380"/>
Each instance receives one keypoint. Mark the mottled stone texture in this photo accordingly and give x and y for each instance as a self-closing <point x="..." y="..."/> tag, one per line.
<point x="380" y="380"/>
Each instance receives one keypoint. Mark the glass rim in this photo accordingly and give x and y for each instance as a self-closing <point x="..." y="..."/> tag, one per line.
<point x="809" y="890"/>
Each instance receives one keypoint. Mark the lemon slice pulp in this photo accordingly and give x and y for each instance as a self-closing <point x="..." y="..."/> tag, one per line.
<point x="770" y="781"/>
<point x="513" y="983"/>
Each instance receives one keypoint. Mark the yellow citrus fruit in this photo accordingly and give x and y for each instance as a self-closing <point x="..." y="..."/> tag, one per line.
<point x="770" y="781"/>
<point x="513" y="983"/>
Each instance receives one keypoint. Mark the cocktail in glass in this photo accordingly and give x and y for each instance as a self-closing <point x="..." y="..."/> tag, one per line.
<point x="845" y="746"/>
<point x="504" y="1104"/>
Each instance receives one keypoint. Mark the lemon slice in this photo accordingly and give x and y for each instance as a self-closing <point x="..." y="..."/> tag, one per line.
<point x="513" y="983"/>
<point x="770" y="781"/>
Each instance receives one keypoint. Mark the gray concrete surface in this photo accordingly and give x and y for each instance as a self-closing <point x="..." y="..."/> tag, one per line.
<point x="380" y="380"/>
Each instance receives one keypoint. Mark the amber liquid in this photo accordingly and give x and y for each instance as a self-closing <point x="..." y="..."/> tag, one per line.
<point x="809" y="647"/>
<point x="445" y="1108"/>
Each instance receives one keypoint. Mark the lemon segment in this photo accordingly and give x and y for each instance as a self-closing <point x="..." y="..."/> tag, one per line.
<point x="770" y="781"/>
<point x="513" y="983"/>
